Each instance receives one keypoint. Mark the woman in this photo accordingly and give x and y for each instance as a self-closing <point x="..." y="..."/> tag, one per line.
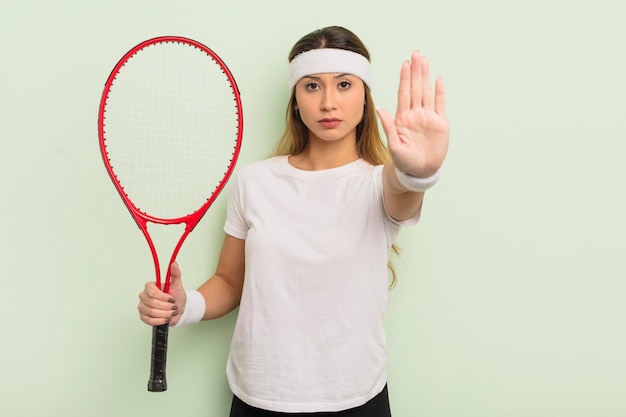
<point x="308" y="237"/>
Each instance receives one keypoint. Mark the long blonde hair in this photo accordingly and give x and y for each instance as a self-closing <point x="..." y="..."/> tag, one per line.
<point x="370" y="146"/>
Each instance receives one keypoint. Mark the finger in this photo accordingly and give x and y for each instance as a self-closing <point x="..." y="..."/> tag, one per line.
<point x="157" y="313"/>
<point x="157" y="310"/>
<point x="440" y="100"/>
<point x="152" y="291"/>
<point x="155" y="303"/>
<point x="416" y="80"/>
<point x="404" y="89"/>
<point x="151" y="309"/>
<point x="427" y="90"/>
<point x="388" y="125"/>
<point x="154" y="321"/>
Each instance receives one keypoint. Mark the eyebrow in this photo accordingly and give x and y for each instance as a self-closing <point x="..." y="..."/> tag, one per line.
<point x="343" y="74"/>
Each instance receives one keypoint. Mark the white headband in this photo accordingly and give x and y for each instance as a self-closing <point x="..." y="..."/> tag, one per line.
<point x="317" y="61"/>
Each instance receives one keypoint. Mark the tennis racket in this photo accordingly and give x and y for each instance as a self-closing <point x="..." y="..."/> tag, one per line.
<point x="170" y="127"/>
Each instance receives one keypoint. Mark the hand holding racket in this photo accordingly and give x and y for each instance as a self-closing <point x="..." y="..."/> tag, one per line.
<point x="170" y="128"/>
<point x="156" y="307"/>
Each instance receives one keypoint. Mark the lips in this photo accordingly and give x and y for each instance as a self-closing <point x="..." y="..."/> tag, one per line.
<point x="329" y="123"/>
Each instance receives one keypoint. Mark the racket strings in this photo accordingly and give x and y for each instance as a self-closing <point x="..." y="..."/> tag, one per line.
<point x="171" y="129"/>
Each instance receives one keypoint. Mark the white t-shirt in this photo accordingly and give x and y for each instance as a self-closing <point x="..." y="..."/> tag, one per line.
<point x="309" y="335"/>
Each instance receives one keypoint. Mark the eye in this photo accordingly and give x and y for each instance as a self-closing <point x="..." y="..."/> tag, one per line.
<point x="311" y="86"/>
<point x="344" y="85"/>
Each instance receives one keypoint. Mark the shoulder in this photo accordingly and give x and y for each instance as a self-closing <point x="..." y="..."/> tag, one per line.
<point x="363" y="166"/>
<point x="264" y="165"/>
<point x="258" y="169"/>
<point x="368" y="172"/>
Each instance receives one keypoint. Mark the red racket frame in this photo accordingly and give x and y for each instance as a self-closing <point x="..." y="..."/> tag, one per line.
<point x="142" y="218"/>
<point x="157" y="380"/>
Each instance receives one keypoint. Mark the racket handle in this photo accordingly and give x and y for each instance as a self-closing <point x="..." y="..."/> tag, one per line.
<point x="157" y="382"/>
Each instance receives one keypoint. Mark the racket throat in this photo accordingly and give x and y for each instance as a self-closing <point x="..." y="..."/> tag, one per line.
<point x="161" y="239"/>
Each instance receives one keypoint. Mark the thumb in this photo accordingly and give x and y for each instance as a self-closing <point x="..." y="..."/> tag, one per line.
<point x="176" y="282"/>
<point x="387" y="123"/>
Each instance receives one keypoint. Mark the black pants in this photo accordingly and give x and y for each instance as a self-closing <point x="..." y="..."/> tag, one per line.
<point x="376" y="407"/>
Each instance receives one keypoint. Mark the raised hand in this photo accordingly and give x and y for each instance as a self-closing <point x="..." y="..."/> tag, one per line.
<point x="418" y="136"/>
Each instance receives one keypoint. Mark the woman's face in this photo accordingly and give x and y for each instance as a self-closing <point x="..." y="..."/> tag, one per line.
<point x="331" y="105"/>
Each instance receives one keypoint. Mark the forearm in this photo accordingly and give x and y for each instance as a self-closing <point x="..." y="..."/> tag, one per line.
<point x="221" y="296"/>
<point x="401" y="203"/>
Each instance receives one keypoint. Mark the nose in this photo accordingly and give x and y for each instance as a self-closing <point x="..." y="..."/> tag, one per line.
<point x="328" y="102"/>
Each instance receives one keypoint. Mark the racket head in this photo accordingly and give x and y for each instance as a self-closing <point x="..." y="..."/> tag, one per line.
<point x="170" y="126"/>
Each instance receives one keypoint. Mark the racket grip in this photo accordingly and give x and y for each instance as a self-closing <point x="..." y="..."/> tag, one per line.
<point x="157" y="382"/>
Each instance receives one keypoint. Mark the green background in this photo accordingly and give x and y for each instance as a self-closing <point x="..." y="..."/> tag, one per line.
<point x="511" y="290"/>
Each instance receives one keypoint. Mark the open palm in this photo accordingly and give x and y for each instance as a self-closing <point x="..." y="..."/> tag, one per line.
<point x="418" y="136"/>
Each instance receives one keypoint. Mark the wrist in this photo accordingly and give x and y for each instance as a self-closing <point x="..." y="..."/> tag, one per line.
<point x="417" y="184"/>
<point x="194" y="309"/>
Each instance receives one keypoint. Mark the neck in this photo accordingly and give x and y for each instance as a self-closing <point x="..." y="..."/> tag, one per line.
<point x="320" y="155"/>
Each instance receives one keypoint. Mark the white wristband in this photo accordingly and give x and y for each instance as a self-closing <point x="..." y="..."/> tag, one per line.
<point x="194" y="309"/>
<point x="416" y="184"/>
